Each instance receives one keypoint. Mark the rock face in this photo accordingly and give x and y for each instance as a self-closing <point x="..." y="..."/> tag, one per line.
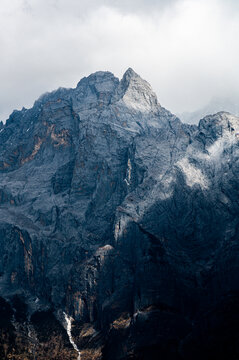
<point x="115" y="213"/>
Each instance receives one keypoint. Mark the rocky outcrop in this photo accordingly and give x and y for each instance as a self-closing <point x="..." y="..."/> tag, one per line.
<point x="115" y="213"/>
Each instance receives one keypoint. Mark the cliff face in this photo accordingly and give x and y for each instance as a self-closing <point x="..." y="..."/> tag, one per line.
<point x="119" y="215"/>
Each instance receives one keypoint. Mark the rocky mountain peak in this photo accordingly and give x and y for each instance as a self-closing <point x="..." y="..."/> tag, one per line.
<point x="220" y="124"/>
<point x="136" y="92"/>
<point x="118" y="218"/>
<point x="104" y="80"/>
<point x="95" y="90"/>
<point x="130" y="73"/>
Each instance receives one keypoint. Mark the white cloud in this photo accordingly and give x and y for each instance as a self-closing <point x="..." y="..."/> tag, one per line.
<point x="186" y="49"/>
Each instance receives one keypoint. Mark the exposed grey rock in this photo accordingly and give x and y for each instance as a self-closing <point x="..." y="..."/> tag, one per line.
<point x="116" y="213"/>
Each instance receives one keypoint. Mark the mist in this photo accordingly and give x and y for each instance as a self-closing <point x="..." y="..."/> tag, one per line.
<point x="187" y="50"/>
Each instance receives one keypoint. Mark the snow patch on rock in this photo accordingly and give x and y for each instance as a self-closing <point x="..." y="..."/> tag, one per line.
<point x="193" y="175"/>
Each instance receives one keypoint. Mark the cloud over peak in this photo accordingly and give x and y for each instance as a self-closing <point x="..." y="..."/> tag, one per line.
<point x="187" y="50"/>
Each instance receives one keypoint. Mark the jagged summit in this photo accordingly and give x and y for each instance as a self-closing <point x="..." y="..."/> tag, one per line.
<point x="137" y="93"/>
<point x="115" y="213"/>
<point x="221" y="122"/>
<point x="99" y="77"/>
<point x="130" y="73"/>
<point x="99" y="89"/>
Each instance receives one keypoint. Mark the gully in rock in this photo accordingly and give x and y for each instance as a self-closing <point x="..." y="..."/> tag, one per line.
<point x="68" y="321"/>
<point x="110" y="206"/>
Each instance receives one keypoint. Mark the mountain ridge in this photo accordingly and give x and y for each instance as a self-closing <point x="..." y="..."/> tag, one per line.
<point x="120" y="216"/>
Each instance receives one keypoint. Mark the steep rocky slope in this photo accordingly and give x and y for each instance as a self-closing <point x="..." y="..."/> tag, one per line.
<point x="115" y="213"/>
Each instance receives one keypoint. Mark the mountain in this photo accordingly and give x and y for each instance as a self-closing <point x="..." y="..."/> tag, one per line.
<point x="214" y="106"/>
<point x="118" y="228"/>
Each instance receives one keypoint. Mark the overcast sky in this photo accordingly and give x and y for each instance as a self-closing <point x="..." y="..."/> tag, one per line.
<point x="187" y="49"/>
